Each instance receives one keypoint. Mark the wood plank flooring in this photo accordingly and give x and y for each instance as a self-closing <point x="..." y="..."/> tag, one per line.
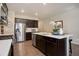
<point x="26" y="49"/>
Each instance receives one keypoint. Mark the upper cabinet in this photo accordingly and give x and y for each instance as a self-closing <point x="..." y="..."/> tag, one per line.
<point x="3" y="13"/>
<point x="32" y="23"/>
<point x="29" y="23"/>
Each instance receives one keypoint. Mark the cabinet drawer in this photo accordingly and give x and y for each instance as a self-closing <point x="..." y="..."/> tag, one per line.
<point x="51" y="39"/>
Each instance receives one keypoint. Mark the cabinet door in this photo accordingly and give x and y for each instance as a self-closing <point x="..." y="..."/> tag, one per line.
<point x="61" y="47"/>
<point x="51" y="48"/>
<point x="29" y="24"/>
<point x="32" y="23"/>
<point x="28" y="35"/>
<point x="43" y="45"/>
<point x="35" y="23"/>
<point x="40" y="43"/>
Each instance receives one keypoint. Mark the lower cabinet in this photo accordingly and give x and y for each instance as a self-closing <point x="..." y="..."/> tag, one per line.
<point x="40" y="43"/>
<point x="51" y="46"/>
<point x="28" y="35"/>
<point x="55" y="47"/>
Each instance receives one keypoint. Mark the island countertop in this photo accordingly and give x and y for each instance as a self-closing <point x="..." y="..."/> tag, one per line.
<point x="5" y="47"/>
<point x="53" y="36"/>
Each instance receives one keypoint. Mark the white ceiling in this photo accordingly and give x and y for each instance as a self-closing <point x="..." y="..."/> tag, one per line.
<point x="44" y="11"/>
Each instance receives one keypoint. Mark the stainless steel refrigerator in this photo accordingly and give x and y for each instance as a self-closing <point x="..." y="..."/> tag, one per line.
<point x="20" y="32"/>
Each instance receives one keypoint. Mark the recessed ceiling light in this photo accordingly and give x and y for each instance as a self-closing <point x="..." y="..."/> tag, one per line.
<point x="22" y="11"/>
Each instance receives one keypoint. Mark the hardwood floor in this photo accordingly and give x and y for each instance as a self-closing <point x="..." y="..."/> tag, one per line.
<point x="26" y="49"/>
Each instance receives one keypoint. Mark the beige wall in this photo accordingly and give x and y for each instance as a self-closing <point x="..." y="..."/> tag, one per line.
<point x="71" y="22"/>
<point x="40" y="25"/>
<point x="44" y="26"/>
<point x="9" y="29"/>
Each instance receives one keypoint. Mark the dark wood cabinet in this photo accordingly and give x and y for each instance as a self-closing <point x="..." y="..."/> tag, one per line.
<point x="61" y="47"/>
<point x="40" y="43"/>
<point x="28" y="23"/>
<point x="55" y="47"/>
<point x="51" y="46"/>
<point x="32" y="23"/>
<point x="28" y="35"/>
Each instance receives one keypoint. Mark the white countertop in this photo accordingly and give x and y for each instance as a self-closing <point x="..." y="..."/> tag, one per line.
<point x="5" y="47"/>
<point x="53" y="36"/>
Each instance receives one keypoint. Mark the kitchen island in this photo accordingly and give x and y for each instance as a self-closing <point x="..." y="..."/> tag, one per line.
<point x="52" y="45"/>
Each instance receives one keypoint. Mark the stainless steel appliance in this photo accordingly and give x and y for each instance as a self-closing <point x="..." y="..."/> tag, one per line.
<point x="34" y="30"/>
<point x="20" y="32"/>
